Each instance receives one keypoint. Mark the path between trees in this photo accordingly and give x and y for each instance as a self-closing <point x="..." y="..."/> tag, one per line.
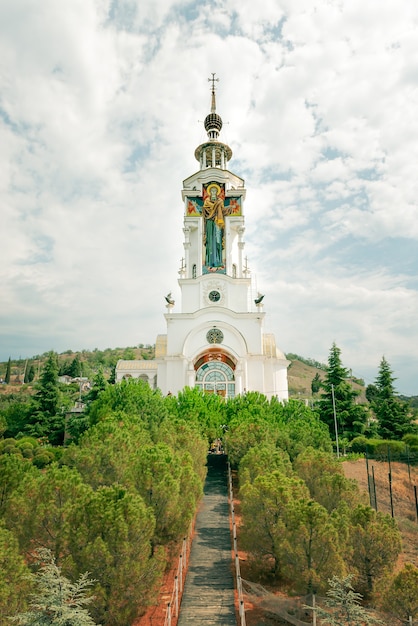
<point x="208" y="596"/>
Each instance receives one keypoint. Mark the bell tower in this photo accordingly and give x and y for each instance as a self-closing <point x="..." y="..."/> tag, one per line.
<point x="215" y="338"/>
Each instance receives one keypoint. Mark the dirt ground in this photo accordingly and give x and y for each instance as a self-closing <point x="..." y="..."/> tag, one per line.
<point x="404" y="512"/>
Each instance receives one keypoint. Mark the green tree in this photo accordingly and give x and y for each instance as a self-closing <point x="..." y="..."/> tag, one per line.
<point x="265" y="509"/>
<point x="371" y="392"/>
<point x="345" y="604"/>
<point x="351" y="417"/>
<point x="15" y="583"/>
<point x="8" y="371"/>
<point x="99" y="385"/>
<point x="128" y="354"/>
<point x="169" y="476"/>
<point x="401" y="596"/>
<point x="312" y="550"/>
<point x="263" y="459"/>
<point x="375" y="545"/>
<point x="111" y="533"/>
<point x="316" y="383"/>
<point x="206" y="411"/>
<point x="38" y="509"/>
<point x="47" y="419"/>
<point x="106" y="453"/>
<point x="12" y="470"/>
<point x="17" y="415"/>
<point x="244" y="433"/>
<point x="394" y="416"/>
<point x="324" y="477"/>
<point x="134" y="399"/>
<point x="299" y="427"/>
<point x="57" y="602"/>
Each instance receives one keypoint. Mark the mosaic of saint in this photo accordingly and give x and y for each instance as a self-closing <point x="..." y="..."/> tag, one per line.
<point x="213" y="207"/>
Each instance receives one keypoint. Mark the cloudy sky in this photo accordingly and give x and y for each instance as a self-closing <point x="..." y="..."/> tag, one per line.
<point x="101" y="109"/>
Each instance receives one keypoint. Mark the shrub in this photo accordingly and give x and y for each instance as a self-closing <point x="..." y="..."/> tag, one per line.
<point x="43" y="458"/>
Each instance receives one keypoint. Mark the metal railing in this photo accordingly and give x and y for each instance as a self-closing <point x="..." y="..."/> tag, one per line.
<point x="173" y="606"/>
<point x="241" y="608"/>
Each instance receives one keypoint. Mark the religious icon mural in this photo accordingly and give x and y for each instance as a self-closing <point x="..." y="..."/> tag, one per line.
<point x="213" y="207"/>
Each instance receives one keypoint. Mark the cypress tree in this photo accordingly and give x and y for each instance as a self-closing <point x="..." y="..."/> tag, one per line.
<point x="8" y="371"/>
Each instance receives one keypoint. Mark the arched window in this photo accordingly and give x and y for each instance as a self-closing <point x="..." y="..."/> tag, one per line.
<point x="216" y="377"/>
<point x="234" y="270"/>
<point x="194" y="271"/>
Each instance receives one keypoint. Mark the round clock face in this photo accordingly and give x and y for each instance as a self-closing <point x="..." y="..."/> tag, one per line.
<point x="214" y="296"/>
<point x="214" y="335"/>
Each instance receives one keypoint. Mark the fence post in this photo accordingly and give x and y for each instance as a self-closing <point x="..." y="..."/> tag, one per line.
<point x="184" y="553"/>
<point x="242" y="612"/>
<point x="176" y="595"/>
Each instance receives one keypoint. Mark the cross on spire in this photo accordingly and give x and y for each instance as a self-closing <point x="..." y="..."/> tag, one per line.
<point x="213" y="80"/>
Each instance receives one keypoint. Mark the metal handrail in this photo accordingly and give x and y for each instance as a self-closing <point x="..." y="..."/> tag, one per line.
<point x="241" y="607"/>
<point x="173" y="606"/>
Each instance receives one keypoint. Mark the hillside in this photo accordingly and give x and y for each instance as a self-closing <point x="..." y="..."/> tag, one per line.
<point x="91" y="361"/>
<point x="300" y="373"/>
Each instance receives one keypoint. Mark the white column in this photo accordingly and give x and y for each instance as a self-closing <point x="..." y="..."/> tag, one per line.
<point x="213" y="157"/>
<point x="191" y="376"/>
<point x="204" y="158"/>
<point x="186" y="245"/>
<point x="241" y="245"/>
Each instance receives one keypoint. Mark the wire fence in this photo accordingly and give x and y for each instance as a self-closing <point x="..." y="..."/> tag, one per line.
<point x="393" y="485"/>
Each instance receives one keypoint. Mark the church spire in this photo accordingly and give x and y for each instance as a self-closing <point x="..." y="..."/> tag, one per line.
<point x="213" y="153"/>
<point x="213" y="80"/>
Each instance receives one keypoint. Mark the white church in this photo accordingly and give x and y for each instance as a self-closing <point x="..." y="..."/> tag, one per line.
<point x="215" y="340"/>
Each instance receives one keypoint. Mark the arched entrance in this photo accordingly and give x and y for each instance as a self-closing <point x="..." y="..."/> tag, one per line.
<point x="215" y="373"/>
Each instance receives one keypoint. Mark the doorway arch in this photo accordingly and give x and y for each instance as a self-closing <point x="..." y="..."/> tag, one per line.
<point x="215" y="373"/>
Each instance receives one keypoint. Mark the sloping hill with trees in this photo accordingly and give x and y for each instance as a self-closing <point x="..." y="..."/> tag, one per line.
<point x="110" y="485"/>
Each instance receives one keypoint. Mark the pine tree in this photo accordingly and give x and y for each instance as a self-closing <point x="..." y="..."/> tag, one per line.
<point x="8" y="371"/>
<point x="351" y="417"/>
<point x="47" y="419"/>
<point x="316" y="383"/>
<point x="401" y="597"/>
<point x="394" y="416"/>
<point x="76" y="368"/>
<point x="99" y="385"/>
<point x="345" y="605"/>
<point x="58" y="601"/>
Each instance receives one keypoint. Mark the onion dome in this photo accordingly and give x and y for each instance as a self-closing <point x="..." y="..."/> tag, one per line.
<point x="213" y="153"/>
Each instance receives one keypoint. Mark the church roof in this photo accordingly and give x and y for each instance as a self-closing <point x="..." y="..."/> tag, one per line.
<point x="136" y="364"/>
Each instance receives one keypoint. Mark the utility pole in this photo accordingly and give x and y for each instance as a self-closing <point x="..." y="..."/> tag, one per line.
<point x="335" y="421"/>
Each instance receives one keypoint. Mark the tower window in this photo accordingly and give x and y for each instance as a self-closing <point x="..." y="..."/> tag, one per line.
<point x="194" y="271"/>
<point x="234" y="270"/>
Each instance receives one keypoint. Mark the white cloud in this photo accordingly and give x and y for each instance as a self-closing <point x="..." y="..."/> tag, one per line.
<point x="99" y="111"/>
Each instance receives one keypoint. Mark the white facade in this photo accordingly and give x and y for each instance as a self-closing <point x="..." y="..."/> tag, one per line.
<point x="215" y="338"/>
